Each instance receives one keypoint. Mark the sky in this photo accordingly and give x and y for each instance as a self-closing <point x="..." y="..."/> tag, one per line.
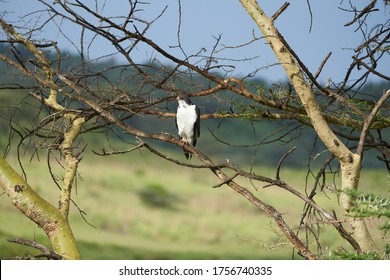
<point x="202" y="21"/>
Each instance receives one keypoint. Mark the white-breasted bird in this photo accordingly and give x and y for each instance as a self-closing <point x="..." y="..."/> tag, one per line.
<point x="187" y="121"/>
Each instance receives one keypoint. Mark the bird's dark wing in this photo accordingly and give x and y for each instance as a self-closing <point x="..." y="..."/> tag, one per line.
<point x="176" y="120"/>
<point x="197" y="123"/>
<point x="196" y="126"/>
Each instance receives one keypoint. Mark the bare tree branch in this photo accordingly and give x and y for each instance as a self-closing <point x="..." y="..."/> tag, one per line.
<point x="369" y="120"/>
<point x="45" y="251"/>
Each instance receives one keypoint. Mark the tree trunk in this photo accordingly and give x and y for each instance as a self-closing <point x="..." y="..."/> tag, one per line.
<point x="350" y="174"/>
<point x="350" y="162"/>
<point x="45" y="215"/>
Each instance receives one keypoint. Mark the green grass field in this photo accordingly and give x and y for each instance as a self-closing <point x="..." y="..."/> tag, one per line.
<point x="141" y="207"/>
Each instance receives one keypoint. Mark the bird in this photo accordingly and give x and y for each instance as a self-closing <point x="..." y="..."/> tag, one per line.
<point x="187" y="121"/>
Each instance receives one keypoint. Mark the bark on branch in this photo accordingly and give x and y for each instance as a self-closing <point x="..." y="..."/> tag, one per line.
<point x="45" y="215"/>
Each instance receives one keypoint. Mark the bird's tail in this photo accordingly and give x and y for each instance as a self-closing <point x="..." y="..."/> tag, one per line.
<point x="187" y="154"/>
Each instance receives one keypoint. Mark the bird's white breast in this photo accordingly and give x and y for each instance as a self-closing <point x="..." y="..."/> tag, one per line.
<point x="186" y="118"/>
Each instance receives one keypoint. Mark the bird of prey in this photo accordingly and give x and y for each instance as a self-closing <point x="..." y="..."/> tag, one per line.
<point x="187" y="121"/>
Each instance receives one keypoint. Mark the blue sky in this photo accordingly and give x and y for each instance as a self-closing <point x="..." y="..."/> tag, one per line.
<point x="203" y="20"/>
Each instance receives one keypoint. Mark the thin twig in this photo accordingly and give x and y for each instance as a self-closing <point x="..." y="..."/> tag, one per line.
<point x="370" y="69"/>
<point x="281" y="161"/>
<point x="105" y="153"/>
<point x="46" y="252"/>
<point x="311" y="15"/>
<point x="369" y="120"/>
<point x="226" y="181"/>
<point x="317" y="74"/>
<point x="280" y="11"/>
<point x="366" y="10"/>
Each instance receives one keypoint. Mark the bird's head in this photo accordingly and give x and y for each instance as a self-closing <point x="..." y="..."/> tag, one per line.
<point x="183" y="99"/>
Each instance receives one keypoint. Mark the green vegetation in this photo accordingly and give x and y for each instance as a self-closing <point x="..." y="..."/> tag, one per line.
<point x="192" y="220"/>
<point x="155" y="195"/>
<point x="369" y="205"/>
